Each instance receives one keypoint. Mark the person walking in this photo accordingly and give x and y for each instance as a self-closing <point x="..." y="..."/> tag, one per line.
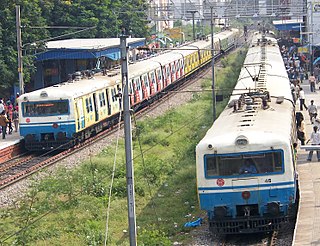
<point x="3" y="124"/>
<point x="15" y="119"/>
<point x="302" y="99"/>
<point x="313" y="111"/>
<point x="315" y="140"/>
<point x="312" y="82"/>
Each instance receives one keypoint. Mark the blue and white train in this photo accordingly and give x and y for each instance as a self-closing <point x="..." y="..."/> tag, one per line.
<point x="246" y="164"/>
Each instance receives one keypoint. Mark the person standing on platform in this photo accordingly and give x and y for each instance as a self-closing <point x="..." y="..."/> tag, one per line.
<point x="3" y="123"/>
<point x="315" y="140"/>
<point x="302" y="99"/>
<point x="313" y="111"/>
<point x="301" y="134"/>
<point x="15" y="119"/>
<point x="312" y="82"/>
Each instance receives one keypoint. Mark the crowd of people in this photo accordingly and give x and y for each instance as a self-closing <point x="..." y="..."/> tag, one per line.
<point x="296" y="65"/>
<point x="9" y="116"/>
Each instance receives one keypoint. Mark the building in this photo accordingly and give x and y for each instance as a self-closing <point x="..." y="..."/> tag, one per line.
<point x="64" y="57"/>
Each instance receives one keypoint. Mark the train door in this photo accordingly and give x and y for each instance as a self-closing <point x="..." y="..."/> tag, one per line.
<point x="108" y="102"/>
<point x="114" y="100"/>
<point x="139" y="89"/>
<point x="135" y="91"/>
<point x="153" y="84"/>
<point x="172" y="72"/>
<point x="146" y="83"/>
<point x="89" y="110"/>
<point x="177" y="69"/>
<point x="95" y="107"/>
<point x="181" y="67"/>
<point x="159" y="79"/>
<point x="80" y="115"/>
<point x="168" y="75"/>
<point x="165" y="80"/>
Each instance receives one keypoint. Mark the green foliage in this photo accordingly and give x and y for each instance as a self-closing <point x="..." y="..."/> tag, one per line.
<point x="108" y="17"/>
<point x="153" y="237"/>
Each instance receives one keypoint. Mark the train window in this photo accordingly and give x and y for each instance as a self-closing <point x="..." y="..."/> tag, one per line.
<point x="115" y="98"/>
<point x="168" y="71"/>
<point x="159" y="75"/>
<point x="153" y="79"/>
<point x="88" y="104"/>
<point x="138" y="85"/>
<point x="45" y="108"/>
<point x="231" y="165"/>
<point x="145" y="79"/>
<point x="102" y="99"/>
<point x="172" y="68"/>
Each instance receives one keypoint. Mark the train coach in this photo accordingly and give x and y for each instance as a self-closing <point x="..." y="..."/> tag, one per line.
<point x="246" y="166"/>
<point x="64" y="114"/>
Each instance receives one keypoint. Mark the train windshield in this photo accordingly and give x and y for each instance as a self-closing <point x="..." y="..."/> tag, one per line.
<point x="242" y="164"/>
<point x="40" y="109"/>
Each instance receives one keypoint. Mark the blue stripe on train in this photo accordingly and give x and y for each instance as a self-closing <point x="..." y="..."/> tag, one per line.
<point x="247" y="186"/>
<point x="68" y="122"/>
<point x="37" y="129"/>
<point x="284" y="196"/>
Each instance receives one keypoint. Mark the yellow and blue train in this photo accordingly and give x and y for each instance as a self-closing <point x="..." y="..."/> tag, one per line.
<point x="64" y="114"/>
<point x="246" y="163"/>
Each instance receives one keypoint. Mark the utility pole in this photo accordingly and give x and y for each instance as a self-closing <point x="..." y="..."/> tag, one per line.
<point x="193" y="30"/>
<point x="311" y="46"/>
<point x="212" y="66"/>
<point x="19" y="49"/>
<point x="128" y="140"/>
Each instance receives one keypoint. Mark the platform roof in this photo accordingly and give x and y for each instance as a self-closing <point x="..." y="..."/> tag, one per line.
<point x="288" y="25"/>
<point x="86" y="48"/>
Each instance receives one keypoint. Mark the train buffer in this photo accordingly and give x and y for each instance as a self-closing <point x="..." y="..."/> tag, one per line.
<point x="310" y="147"/>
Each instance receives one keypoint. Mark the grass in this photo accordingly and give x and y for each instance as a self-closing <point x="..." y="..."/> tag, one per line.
<point x="70" y="208"/>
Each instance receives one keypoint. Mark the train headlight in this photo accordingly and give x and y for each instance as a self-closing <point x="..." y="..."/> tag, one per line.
<point x="220" y="212"/>
<point x="55" y="125"/>
<point x="273" y="208"/>
<point x="246" y="195"/>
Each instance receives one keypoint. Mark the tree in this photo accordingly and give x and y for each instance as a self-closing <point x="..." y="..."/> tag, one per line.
<point x="107" y="16"/>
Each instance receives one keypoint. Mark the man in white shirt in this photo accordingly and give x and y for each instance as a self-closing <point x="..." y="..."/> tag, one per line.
<point x="302" y="98"/>
<point x="313" y="112"/>
<point x="315" y="140"/>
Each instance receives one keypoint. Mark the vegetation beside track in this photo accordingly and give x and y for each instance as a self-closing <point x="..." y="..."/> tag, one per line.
<point x="70" y="207"/>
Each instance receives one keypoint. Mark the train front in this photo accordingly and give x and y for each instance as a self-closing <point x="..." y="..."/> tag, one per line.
<point x="45" y="120"/>
<point x="249" y="186"/>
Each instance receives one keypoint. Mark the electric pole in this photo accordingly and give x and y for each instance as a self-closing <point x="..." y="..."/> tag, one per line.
<point x="193" y="30"/>
<point x="128" y="140"/>
<point x="212" y="66"/>
<point x="19" y="49"/>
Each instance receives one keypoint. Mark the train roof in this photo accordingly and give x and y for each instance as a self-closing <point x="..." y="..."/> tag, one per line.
<point x="263" y="72"/>
<point x="180" y="52"/>
<point x="69" y="89"/>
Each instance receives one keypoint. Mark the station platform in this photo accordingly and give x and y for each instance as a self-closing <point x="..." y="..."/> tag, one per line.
<point x="307" y="230"/>
<point x="10" y="140"/>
